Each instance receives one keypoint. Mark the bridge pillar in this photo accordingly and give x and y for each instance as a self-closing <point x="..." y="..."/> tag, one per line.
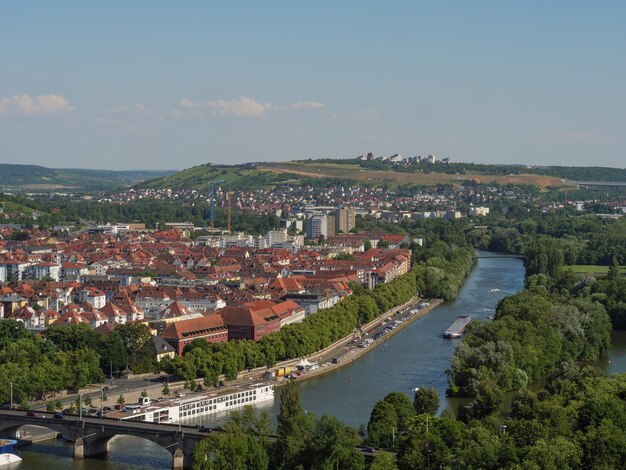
<point x="178" y="460"/>
<point x="79" y="448"/>
<point x="90" y="446"/>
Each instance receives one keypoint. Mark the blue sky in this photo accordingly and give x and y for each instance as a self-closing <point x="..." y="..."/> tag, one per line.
<point x="128" y="85"/>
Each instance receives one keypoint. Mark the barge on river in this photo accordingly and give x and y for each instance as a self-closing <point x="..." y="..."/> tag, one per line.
<point x="457" y="328"/>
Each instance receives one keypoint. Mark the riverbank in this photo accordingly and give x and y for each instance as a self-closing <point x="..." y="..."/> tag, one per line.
<point x="349" y="351"/>
<point x="346" y="348"/>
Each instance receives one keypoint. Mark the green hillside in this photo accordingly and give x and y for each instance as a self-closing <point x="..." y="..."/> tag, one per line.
<point x="15" y="177"/>
<point x="349" y="171"/>
<point x="235" y="177"/>
<point x="268" y="175"/>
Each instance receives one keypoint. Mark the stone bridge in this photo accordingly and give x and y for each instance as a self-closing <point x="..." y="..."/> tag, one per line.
<point x="91" y="436"/>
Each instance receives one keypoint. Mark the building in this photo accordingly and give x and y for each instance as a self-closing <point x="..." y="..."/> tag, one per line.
<point x="288" y="311"/>
<point x="316" y="226"/>
<point x="45" y="271"/>
<point x="244" y="323"/>
<point x="162" y="349"/>
<point x="73" y="272"/>
<point x="331" y="225"/>
<point x="479" y="211"/>
<point x="210" y="328"/>
<point x="93" y="296"/>
<point x="345" y="219"/>
<point x="312" y="301"/>
<point x="275" y="237"/>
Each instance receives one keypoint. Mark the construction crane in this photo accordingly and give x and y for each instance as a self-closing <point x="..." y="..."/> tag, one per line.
<point x="228" y="199"/>
<point x="212" y="190"/>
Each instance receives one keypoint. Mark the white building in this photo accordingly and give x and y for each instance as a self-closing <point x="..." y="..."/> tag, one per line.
<point x="93" y="296"/>
<point x="479" y="211"/>
<point x="274" y="237"/>
<point x="316" y="226"/>
<point x="45" y="270"/>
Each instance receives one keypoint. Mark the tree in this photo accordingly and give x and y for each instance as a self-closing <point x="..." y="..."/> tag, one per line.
<point x="166" y="390"/>
<point x="295" y="430"/>
<point x="384" y="461"/>
<point x="613" y="268"/>
<point x="138" y="342"/>
<point x="12" y="330"/>
<point x="121" y="400"/>
<point x="232" y="449"/>
<point x="382" y="244"/>
<point x="383" y="425"/>
<point x="290" y="408"/>
<point x="367" y="244"/>
<point x="426" y="400"/>
<point x="333" y="446"/>
<point x="524" y="405"/>
<point x="144" y="393"/>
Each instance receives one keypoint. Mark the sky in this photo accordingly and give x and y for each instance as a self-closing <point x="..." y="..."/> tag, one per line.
<point x="170" y="85"/>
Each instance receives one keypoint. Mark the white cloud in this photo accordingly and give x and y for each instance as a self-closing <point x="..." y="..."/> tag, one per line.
<point x="244" y="106"/>
<point x="306" y="105"/>
<point x="26" y="105"/>
<point x="135" y="109"/>
<point x="188" y="104"/>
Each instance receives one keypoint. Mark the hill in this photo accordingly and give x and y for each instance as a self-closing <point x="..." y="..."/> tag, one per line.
<point x="269" y="174"/>
<point x="248" y="176"/>
<point x="15" y="177"/>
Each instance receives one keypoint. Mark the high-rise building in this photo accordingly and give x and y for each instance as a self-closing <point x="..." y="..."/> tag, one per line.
<point x="331" y="225"/>
<point x="345" y="219"/>
<point x="316" y="226"/>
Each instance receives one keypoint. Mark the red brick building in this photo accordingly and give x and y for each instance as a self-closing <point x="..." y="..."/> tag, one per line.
<point x="245" y="323"/>
<point x="210" y="328"/>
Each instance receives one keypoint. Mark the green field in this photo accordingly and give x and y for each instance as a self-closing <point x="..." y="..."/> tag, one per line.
<point x="10" y="206"/>
<point x="592" y="269"/>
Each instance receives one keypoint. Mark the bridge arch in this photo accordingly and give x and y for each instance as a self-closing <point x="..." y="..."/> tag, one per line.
<point x="145" y="449"/>
<point x="10" y="430"/>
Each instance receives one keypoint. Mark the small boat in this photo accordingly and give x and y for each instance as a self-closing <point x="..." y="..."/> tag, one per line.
<point x="494" y="290"/>
<point x="457" y="328"/>
<point x="8" y="452"/>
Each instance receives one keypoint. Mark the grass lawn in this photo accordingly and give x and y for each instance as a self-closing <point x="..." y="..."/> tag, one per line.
<point x="592" y="269"/>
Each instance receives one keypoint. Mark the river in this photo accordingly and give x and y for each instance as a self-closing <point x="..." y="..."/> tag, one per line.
<point x="416" y="355"/>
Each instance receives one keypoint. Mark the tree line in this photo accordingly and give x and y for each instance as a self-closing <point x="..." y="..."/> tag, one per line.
<point x="67" y="357"/>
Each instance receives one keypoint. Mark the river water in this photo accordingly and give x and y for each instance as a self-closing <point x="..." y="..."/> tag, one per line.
<point x="417" y="355"/>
